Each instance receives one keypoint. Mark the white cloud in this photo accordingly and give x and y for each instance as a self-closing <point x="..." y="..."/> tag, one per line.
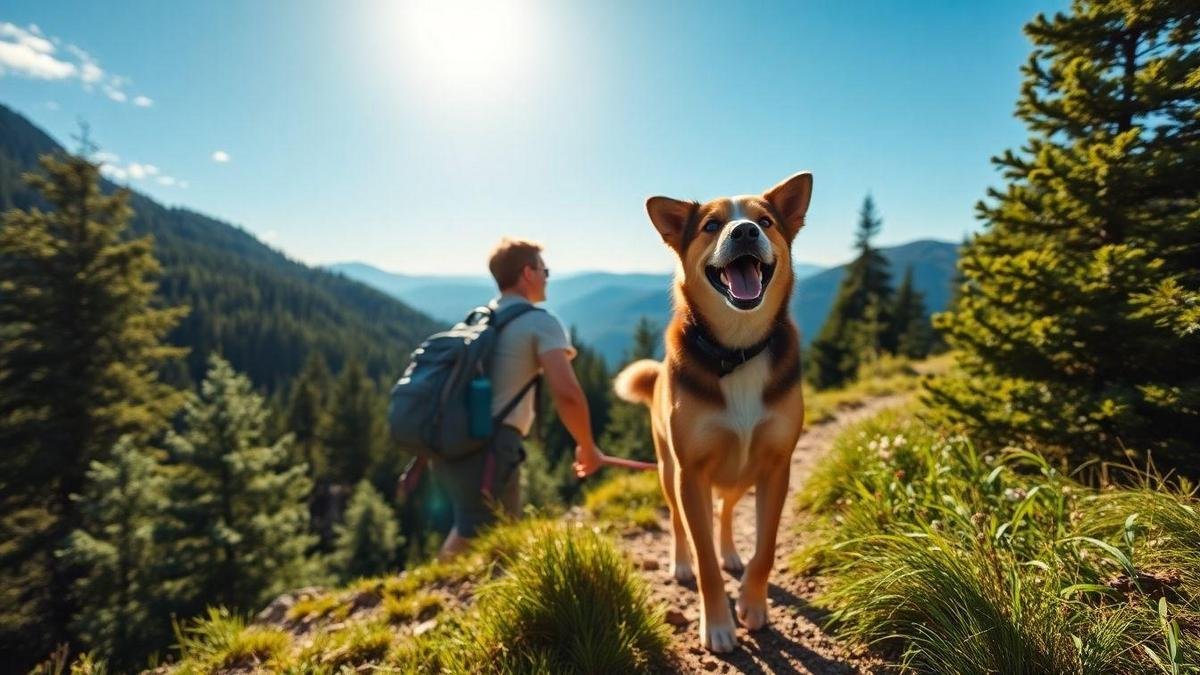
<point x="270" y="236"/>
<point x="51" y="105"/>
<point x="114" y="172"/>
<point x="28" y="52"/>
<point x="220" y="156"/>
<point x="112" y="169"/>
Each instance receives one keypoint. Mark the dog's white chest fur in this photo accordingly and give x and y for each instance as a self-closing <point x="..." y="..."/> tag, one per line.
<point x="744" y="409"/>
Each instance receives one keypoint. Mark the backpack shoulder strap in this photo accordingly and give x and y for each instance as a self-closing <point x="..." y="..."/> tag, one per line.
<point x="502" y="319"/>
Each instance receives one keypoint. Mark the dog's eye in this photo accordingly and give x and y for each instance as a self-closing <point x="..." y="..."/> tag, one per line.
<point x="764" y="223"/>
<point x="712" y="226"/>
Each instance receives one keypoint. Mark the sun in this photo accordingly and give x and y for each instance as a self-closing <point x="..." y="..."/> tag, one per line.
<point x="475" y="49"/>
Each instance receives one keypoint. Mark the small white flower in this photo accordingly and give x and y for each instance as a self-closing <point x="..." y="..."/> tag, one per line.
<point x="884" y="442"/>
<point x="900" y="440"/>
<point x="873" y="445"/>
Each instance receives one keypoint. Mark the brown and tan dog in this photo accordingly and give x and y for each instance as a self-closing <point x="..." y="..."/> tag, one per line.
<point x="726" y="405"/>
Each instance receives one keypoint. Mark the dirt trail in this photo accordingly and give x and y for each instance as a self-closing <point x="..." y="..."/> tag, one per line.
<point x="794" y="641"/>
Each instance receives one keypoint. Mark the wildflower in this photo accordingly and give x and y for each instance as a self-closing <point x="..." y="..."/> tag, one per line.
<point x="884" y="442"/>
<point x="885" y="455"/>
<point x="900" y="440"/>
<point x="1014" y="494"/>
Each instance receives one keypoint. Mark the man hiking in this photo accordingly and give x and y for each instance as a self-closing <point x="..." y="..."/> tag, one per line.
<point x="531" y="342"/>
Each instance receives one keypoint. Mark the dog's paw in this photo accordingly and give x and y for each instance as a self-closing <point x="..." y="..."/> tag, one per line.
<point x="752" y="613"/>
<point x="718" y="637"/>
<point x="682" y="572"/>
<point x="732" y="563"/>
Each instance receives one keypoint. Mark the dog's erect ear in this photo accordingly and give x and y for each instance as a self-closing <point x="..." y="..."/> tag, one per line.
<point x="670" y="217"/>
<point x="790" y="198"/>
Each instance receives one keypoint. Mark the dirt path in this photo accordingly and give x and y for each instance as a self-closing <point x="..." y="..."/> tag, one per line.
<point x="794" y="642"/>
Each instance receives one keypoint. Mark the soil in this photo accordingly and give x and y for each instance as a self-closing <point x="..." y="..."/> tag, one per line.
<point x="794" y="641"/>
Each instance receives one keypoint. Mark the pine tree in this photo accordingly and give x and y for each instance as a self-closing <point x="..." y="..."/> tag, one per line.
<point x="1073" y="323"/>
<point x="307" y="416"/>
<point x="914" y="333"/>
<point x="859" y="325"/>
<point x="357" y="434"/>
<point x="628" y="432"/>
<point x="120" y="616"/>
<point x="81" y="347"/>
<point x="237" y="524"/>
<point x="367" y="542"/>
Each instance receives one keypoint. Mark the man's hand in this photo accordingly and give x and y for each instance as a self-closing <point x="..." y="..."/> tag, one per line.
<point x="587" y="460"/>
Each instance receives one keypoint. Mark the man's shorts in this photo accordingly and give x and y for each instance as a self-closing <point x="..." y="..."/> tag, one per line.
<point x="463" y="480"/>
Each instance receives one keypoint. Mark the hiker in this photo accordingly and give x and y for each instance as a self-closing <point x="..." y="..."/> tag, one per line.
<point x="533" y="341"/>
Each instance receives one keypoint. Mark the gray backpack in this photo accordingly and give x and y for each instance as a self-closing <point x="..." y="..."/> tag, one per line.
<point x="428" y="412"/>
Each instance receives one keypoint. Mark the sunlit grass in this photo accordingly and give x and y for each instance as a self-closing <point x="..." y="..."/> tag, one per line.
<point x="963" y="562"/>
<point x="222" y="641"/>
<point x="886" y="376"/>
<point x="627" y="499"/>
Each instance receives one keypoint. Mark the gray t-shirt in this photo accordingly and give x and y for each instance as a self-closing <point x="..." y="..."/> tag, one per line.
<point x="515" y="360"/>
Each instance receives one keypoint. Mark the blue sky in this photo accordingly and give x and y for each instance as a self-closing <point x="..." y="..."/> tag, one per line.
<point x="413" y="136"/>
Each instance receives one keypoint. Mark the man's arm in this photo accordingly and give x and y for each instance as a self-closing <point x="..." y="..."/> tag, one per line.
<point x="572" y="407"/>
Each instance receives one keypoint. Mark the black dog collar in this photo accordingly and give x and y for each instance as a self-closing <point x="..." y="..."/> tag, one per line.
<point x="716" y="356"/>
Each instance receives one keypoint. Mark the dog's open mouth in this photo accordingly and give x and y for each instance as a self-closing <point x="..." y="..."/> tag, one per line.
<point x="742" y="281"/>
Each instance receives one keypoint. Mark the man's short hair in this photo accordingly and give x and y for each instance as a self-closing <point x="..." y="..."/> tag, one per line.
<point x="510" y="258"/>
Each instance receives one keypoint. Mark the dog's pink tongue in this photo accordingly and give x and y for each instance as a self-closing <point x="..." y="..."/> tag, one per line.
<point x="744" y="281"/>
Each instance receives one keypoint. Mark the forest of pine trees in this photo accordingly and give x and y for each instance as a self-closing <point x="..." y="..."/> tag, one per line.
<point x="131" y="501"/>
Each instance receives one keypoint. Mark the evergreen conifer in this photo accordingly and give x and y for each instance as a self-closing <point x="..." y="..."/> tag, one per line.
<point x="859" y="325"/>
<point x="237" y="521"/>
<point x="81" y="348"/>
<point x="120" y="617"/>
<point x="914" y="333"/>
<point x="368" y="540"/>
<point x="1073" y="321"/>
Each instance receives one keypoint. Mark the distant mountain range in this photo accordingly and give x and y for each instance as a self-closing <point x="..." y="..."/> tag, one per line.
<point x="604" y="307"/>
<point x="261" y="310"/>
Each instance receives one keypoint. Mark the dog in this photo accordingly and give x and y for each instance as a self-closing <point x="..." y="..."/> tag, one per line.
<point x="726" y="405"/>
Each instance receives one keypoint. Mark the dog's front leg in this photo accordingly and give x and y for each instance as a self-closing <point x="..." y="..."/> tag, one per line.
<point x="771" y="493"/>
<point x="717" y="630"/>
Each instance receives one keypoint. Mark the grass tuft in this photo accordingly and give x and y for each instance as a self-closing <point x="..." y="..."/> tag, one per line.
<point x="570" y="603"/>
<point x="222" y="641"/>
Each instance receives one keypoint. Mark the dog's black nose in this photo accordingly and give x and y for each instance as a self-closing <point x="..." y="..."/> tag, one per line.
<point x="747" y="228"/>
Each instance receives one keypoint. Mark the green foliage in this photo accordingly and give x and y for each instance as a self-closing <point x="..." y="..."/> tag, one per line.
<point x="971" y="564"/>
<point x="628" y="432"/>
<point x="914" y="333"/>
<point x="120" y="614"/>
<point x="80" y="349"/>
<point x="1076" y="318"/>
<point x="357" y="437"/>
<point x="570" y="603"/>
<point x="367" y="542"/>
<point x="859" y="325"/>
<point x="238" y="519"/>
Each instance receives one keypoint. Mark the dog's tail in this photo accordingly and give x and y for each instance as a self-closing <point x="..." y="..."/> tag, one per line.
<point x="636" y="383"/>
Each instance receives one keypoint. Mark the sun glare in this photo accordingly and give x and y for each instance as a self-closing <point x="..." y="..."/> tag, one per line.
<point x="465" y="48"/>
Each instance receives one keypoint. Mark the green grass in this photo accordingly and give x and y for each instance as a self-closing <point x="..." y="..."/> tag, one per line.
<point x="959" y="562"/>
<point x="550" y="597"/>
<point x="222" y="641"/>
<point x="570" y="603"/>
<point x="886" y="376"/>
<point x="627" y="500"/>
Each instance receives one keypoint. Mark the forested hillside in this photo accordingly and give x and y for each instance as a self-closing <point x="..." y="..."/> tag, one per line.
<point x="261" y="310"/>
